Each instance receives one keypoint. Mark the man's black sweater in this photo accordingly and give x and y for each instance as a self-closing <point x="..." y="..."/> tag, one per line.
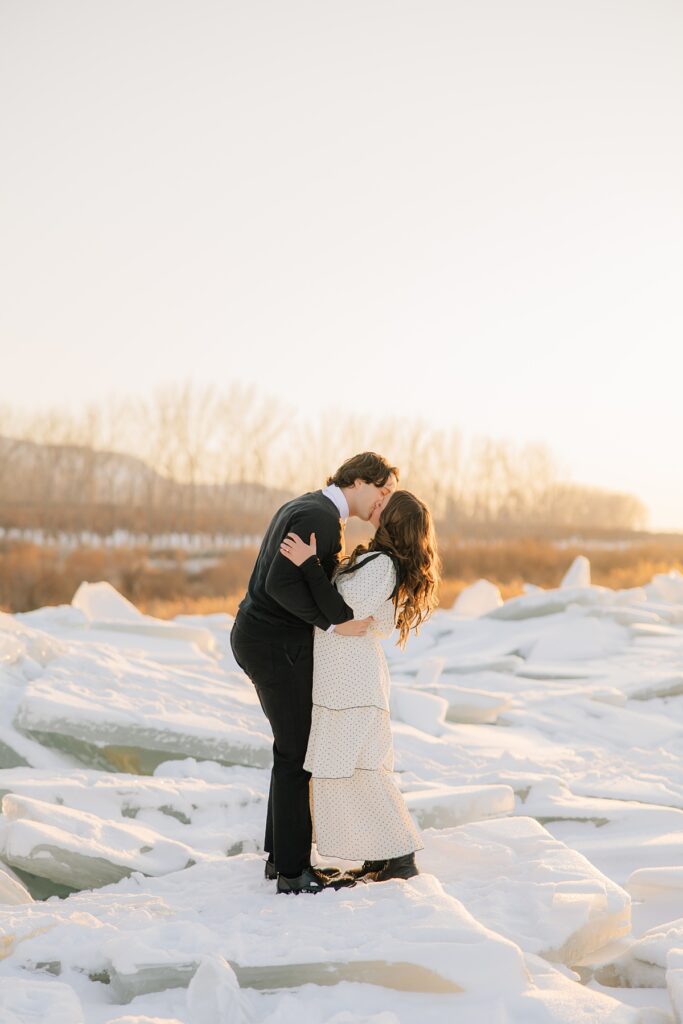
<point x="278" y="603"/>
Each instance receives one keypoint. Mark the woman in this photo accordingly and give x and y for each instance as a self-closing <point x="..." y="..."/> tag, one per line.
<point x="358" y="811"/>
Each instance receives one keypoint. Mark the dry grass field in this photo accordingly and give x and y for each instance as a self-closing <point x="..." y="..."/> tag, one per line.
<point x="32" y="576"/>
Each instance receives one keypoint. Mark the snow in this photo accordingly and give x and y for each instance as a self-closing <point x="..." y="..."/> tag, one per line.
<point x="30" y="1001"/>
<point x="539" y="745"/>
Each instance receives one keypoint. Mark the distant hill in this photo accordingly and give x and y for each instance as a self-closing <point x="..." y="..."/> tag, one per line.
<point x="49" y="483"/>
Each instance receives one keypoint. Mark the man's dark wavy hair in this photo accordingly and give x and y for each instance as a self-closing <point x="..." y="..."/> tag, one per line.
<point x="368" y="466"/>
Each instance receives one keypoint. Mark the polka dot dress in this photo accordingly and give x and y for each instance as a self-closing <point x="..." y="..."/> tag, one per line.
<point x="358" y="811"/>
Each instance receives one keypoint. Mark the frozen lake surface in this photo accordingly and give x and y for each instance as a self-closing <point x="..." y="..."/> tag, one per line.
<point x="539" y="744"/>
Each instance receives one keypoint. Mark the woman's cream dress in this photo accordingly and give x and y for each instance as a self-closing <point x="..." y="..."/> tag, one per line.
<point x="358" y="811"/>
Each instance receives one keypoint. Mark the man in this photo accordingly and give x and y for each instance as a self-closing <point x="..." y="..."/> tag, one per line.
<point x="272" y="641"/>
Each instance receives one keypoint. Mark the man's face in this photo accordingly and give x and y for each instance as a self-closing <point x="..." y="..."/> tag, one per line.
<point x="371" y="499"/>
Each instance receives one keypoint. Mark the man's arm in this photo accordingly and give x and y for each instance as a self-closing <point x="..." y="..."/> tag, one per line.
<point x="286" y="584"/>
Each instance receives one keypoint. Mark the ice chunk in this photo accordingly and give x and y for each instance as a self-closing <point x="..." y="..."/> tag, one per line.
<point x="674" y="981"/>
<point x="559" y="670"/>
<point x="465" y="664"/>
<point x="18" y="642"/>
<point x="445" y="806"/>
<point x="12" y="890"/>
<point x="647" y="882"/>
<point x="624" y="614"/>
<point x="558" y="999"/>
<point x="667" y="685"/>
<point x="647" y="631"/>
<point x="579" y="637"/>
<point x="578" y="574"/>
<point x="95" y="700"/>
<point x="141" y="1018"/>
<point x="548" y="602"/>
<point x="79" y="849"/>
<point x="630" y="595"/>
<point x="467" y="705"/>
<point x="152" y="977"/>
<point x="154" y="924"/>
<point x="478" y="599"/>
<point x="666" y="611"/>
<point x="105" y="609"/>
<point x="616" y="834"/>
<point x="10" y="757"/>
<point x="643" y="964"/>
<point x="608" y="695"/>
<point x="214" y="993"/>
<point x="429" y="671"/>
<point x="30" y="1001"/>
<point x="666" y="586"/>
<point x="422" y="710"/>
<point x="11" y="649"/>
<point x="515" y="878"/>
<point x="59" y="935"/>
<point x="208" y="807"/>
<point x="103" y="601"/>
<point x="153" y="960"/>
<point x="175" y="956"/>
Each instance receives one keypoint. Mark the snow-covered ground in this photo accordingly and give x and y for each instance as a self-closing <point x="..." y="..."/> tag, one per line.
<point x="539" y="743"/>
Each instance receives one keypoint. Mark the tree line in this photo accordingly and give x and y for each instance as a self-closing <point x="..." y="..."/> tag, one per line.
<point x="203" y="458"/>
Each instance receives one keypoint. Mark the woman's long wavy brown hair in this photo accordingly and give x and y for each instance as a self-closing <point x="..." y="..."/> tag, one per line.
<point x="406" y="532"/>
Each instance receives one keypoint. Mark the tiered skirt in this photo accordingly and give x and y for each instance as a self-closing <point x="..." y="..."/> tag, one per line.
<point x="357" y="809"/>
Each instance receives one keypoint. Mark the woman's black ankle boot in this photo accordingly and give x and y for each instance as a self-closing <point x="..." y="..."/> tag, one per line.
<point x="398" y="867"/>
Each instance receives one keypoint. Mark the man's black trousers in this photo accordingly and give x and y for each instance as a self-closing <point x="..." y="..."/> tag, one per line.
<point x="282" y="673"/>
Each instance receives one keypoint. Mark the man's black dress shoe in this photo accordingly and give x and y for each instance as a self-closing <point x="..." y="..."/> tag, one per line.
<point x="311" y="880"/>
<point x="398" y="867"/>
<point x="270" y="871"/>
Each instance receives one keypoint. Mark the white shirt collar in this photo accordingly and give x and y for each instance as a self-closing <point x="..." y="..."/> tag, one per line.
<point x="338" y="498"/>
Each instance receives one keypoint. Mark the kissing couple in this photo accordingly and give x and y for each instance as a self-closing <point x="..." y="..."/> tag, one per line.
<point x="308" y="634"/>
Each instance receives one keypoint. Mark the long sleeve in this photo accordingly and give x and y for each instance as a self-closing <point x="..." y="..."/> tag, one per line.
<point x="286" y="584"/>
<point x="326" y="596"/>
<point x="367" y="589"/>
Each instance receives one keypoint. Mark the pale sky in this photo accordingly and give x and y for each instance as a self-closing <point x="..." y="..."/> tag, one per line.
<point x="470" y="212"/>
